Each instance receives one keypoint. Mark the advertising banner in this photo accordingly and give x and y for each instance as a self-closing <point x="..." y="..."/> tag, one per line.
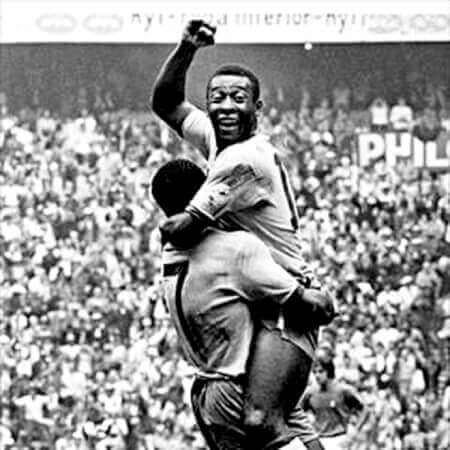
<point x="395" y="147"/>
<point x="23" y="21"/>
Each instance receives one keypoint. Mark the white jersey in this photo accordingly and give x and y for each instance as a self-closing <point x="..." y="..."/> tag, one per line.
<point x="208" y="289"/>
<point x="247" y="188"/>
<point x="204" y="141"/>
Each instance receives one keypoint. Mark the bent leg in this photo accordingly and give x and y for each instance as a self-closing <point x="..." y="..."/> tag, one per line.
<point x="277" y="377"/>
<point x="221" y="400"/>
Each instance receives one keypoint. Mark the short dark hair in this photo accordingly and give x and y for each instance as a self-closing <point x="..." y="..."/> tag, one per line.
<point x="236" y="69"/>
<point x="326" y="365"/>
<point x="175" y="183"/>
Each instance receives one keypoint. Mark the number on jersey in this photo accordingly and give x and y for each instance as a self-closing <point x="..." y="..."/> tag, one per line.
<point x="288" y="192"/>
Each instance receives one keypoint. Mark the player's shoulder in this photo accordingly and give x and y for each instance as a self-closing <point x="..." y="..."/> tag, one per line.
<point x="253" y="149"/>
<point x="244" y="160"/>
<point x="235" y="240"/>
<point x="244" y="244"/>
<point x="238" y="248"/>
<point x="196" y="117"/>
<point x="248" y="239"/>
<point x="241" y="238"/>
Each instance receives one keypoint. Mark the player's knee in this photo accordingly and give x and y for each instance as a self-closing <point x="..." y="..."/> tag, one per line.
<point x="262" y="426"/>
<point x="255" y="418"/>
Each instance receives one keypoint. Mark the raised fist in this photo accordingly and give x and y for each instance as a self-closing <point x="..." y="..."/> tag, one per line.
<point x="199" y="33"/>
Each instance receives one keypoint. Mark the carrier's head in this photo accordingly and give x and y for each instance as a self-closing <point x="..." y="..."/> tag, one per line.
<point x="175" y="184"/>
<point x="233" y="103"/>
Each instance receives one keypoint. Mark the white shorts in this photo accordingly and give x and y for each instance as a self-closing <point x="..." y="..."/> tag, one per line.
<point x="219" y="403"/>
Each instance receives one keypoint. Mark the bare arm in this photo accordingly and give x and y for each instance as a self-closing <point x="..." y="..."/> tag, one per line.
<point x="182" y="230"/>
<point x="305" y="309"/>
<point x="168" y="96"/>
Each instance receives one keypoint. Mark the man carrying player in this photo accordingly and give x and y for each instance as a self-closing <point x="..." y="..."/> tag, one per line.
<point x="214" y="290"/>
<point x="246" y="189"/>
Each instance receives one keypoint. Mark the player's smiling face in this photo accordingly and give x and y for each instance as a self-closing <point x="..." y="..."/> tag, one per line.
<point x="232" y="108"/>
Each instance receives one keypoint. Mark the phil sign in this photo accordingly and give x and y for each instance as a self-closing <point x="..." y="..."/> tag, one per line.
<point x="394" y="147"/>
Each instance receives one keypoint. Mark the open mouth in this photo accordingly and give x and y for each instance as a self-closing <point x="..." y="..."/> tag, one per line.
<point x="228" y="124"/>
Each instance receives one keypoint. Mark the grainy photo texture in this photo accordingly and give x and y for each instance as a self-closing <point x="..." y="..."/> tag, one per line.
<point x="224" y="225"/>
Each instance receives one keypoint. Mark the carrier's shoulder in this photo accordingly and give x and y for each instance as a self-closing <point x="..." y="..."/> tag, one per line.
<point x="234" y="240"/>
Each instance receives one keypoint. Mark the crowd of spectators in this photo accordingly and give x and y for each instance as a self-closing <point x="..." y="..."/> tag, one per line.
<point x="88" y="358"/>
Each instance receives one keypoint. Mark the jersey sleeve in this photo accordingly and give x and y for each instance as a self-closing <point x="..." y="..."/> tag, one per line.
<point x="197" y="129"/>
<point x="234" y="183"/>
<point x="258" y="276"/>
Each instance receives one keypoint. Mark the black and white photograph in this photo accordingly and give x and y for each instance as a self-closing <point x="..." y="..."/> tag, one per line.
<point x="224" y="225"/>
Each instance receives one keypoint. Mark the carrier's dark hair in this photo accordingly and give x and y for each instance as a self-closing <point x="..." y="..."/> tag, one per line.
<point x="236" y="69"/>
<point x="175" y="183"/>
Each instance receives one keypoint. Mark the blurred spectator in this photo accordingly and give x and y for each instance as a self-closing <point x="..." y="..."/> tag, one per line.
<point x="88" y="359"/>
<point x="427" y="127"/>
<point x="379" y="111"/>
<point x="341" y="96"/>
<point x="401" y="116"/>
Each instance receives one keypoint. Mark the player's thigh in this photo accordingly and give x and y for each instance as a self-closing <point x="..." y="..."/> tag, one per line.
<point x="217" y="407"/>
<point x="277" y="373"/>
